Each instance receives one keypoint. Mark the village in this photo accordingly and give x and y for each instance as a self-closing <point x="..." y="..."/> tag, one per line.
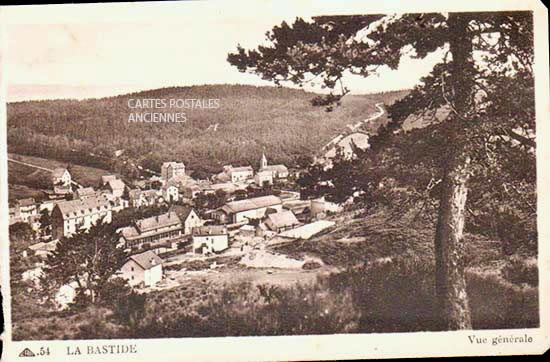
<point x="254" y="215"/>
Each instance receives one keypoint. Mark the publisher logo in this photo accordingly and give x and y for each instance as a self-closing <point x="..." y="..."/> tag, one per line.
<point x="26" y="353"/>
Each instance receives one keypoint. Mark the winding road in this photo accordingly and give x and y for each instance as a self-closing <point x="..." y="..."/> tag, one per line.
<point x="343" y="139"/>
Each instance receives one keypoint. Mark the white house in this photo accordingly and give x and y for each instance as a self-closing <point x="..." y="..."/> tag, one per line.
<point x="85" y="192"/>
<point x="170" y="192"/>
<point x="139" y="198"/>
<point x="116" y="187"/>
<point x="244" y="210"/>
<point x="241" y="174"/>
<point x="320" y="206"/>
<point x="106" y="178"/>
<point x="61" y="177"/>
<point x="210" y="239"/>
<point x="70" y="216"/>
<point x="263" y="177"/>
<point x="277" y="171"/>
<point x="27" y="208"/>
<point x="47" y="205"/>
<point x="188" y="216"/>
<point x="281" y="221"/>
<point x="169" y="170"/>
<point x="143" y="268"/>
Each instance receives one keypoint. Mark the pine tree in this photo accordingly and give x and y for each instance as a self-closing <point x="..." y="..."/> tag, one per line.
<point x="477" y="100"/>
<point x="89" y="258"/>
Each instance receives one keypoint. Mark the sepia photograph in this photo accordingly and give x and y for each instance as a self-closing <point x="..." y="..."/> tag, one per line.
<point x="178" y="171"/>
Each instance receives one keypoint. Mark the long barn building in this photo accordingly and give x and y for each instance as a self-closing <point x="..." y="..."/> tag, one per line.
<point x="245" y="210"/>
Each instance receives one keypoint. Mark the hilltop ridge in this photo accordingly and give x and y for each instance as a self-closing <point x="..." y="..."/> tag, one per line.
<point x="249" y="120"/>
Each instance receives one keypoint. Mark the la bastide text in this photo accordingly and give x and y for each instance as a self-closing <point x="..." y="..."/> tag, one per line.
<point x="102" y="349"/>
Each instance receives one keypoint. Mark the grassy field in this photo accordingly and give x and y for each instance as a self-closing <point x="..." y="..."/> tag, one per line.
<point x="87" y="176"/>
<point x="16" y="192"/>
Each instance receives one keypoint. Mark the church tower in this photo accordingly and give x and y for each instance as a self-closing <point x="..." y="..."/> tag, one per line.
<point x="263" y="162"/>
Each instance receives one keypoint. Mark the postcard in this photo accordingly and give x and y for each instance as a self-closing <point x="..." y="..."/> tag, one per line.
<point x="274" y="180"/>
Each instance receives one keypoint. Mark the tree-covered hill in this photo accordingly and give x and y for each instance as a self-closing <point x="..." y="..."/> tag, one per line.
<point x="249" y="120"/>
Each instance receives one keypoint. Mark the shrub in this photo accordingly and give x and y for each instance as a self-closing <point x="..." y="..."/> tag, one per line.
<point x="197" y="265"/>
<point x="518" y="271"/>
<point x="498" y="304"/>
<point x="310" y="265"/>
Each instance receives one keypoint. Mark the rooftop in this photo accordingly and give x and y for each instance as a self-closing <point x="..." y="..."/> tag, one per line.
<point x="283" y="218"/>
<point x="155" y="222"/>
<point x="173" y="164"/>
<point x="182" y="211"/>
<point x="242" y="169"/>
<point x="116" y="184"/>
<point x="210" y="230"/>
<point x="251" y="204"/>
<point x="86" y="191"/>
<point x="58" y="172"/>
<point x="26" y="202"/>
<point x="106" y="178"/>
<point x="278" y="168"/>
<point x="147" y="259"/>
<point x="79" y="207"/>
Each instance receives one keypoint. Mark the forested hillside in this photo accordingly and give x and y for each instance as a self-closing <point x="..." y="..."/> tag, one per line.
<point x="280" y="121"/>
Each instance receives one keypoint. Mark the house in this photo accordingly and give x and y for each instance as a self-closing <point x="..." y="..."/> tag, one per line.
<point x="61" y="177"/>
<point x="241" y="174"/>
<point x="245" y="210"/>
<point x="300" y="209"/>
<point x="188" y="216"/>
<point x="14" y="215"/>
<point x="68" y="217"/>
<point x="247" y="231"/>
<point x="116" y="187"/>
<point x="106" y="178"/>
<point x="62" y="190"/>
<point x="319" y="207"/>
<point x="263" y="177"/>
<point x="139" y="198"/>
<point x="281" y="221"/>
<point x="226" y="187"/>
<point x="210" y="239"/>
<point x="155" y="230"/>
<point x="191" y="191"/>
<point x="170" y="192"/>
<point x="47" y="205"/>
<point x="85" y="192"/>
<point x="143" y="268"/>
<point x="135" y="198"/>
<point x="169" y="170"/>
<point x="117" y="203"/>
<point x="277" y="171"/>
<point x="27" y="208"/>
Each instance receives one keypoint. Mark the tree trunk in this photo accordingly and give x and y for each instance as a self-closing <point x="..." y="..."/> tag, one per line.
<point x="452" y="300"/>
<point x="449" y="247"/>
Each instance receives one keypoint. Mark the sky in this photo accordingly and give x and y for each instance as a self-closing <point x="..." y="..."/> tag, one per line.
<point x="99" y="51"/>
